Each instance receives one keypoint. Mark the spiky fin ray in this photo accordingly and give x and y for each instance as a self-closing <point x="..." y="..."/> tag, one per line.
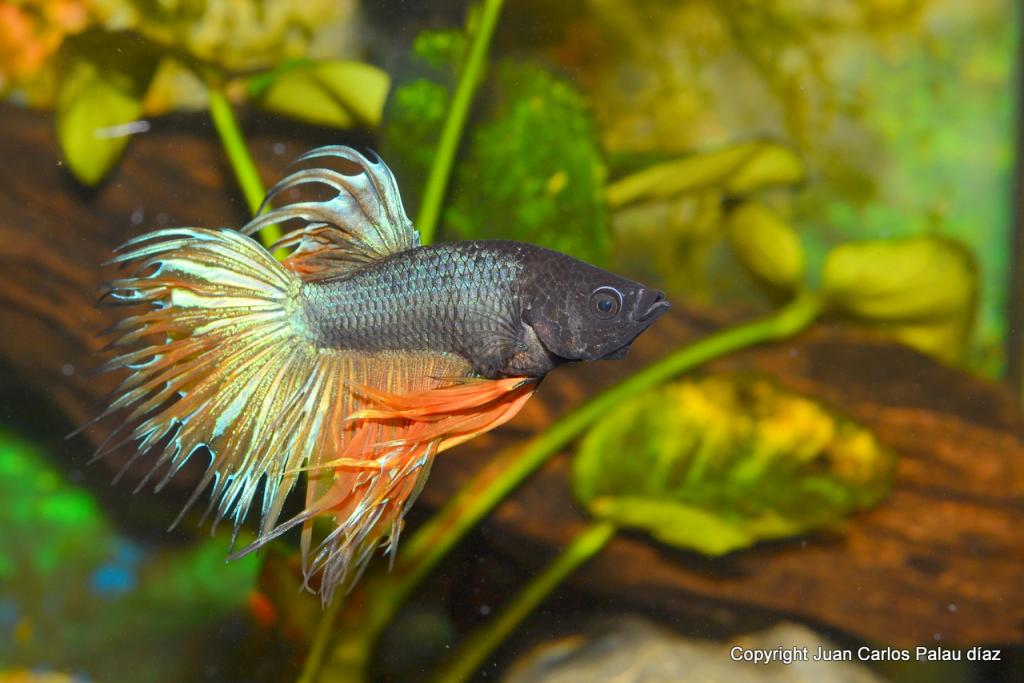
<point x="363" y="221"/>
<point x="226" y="358"/>
<point x="401" y="432"/>
<point x="226" y="363"/>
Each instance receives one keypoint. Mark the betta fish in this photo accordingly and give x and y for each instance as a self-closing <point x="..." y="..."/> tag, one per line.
<point x="355" y="360"/>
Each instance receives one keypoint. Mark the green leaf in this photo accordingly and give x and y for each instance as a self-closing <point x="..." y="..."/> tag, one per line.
<point x="103" y="78"/>
<point x="766" y="245"/>
<point x="334" y="93"/>
<point x="921" y="278"/>
<point x="922" y="290"/>
<point x="722" y="463"/>
<point x="175" y="86"/>
<point x="737" y="169"/>
<point x="673" y="523"/>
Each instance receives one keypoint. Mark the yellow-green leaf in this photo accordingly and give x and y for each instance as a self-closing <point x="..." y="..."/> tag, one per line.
<point x="175" y="87"/>
<point x="341" y="94"/>
<point x="722" y="463"/>
<point x="766" y="245"/>
<point x="916" y="279"/>
<point x="738" y="168"/>
<point x="768" y="165"/>
<point x="946" y="341"/>
<point x="102" y="81"/>
<point x="922" y="291"/>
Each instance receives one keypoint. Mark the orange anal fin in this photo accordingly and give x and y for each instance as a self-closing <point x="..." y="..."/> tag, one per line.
<point x="468" y="397"/>
<point x="403" y="433"/>
<point x="369" y="484"/>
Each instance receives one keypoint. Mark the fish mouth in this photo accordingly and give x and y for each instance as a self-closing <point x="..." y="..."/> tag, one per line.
<point x="650" y="305"/>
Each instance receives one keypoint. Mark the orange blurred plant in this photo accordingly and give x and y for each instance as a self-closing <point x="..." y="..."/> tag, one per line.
<point x="31" y="33"/>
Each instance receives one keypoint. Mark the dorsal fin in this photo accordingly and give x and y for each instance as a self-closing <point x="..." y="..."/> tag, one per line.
<point x="364" y="221"/>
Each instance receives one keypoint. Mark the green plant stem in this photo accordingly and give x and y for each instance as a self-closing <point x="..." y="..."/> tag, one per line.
<point x="311" y="666"/>
<point x="241" y="161"/>
<point x="435" y="539"/>
<point x="478" y="647"/>
<point x="469" y="79"/>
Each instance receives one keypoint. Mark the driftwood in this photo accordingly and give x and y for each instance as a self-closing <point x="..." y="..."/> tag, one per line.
<point x="940" y="560"/>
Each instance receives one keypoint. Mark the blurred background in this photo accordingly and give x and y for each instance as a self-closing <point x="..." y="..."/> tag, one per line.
<point x="846" y="170"/>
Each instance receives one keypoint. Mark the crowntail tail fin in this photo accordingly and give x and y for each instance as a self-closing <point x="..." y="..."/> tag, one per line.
<point x="225" y="363"/>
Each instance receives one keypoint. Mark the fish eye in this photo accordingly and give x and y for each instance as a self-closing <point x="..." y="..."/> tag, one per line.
<point x="606" y="302"/>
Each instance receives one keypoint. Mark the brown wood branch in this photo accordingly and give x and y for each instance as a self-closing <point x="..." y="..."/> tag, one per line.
<point x="938" y="561"/>
<point x="942" y="558"/>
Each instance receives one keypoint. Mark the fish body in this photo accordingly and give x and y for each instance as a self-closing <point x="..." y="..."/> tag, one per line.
<point x="356" y="360"/>
<point x="479" y="300"/>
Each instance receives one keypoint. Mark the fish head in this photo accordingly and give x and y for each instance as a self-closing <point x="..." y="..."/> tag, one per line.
<point x="581" y="312"/>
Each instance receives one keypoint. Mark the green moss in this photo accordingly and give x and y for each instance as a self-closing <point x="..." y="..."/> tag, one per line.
<point x="530" y="166"/>
<point x="413" y="120"/>
<point x="533" y="170"/>
<point x="440" y="50"/>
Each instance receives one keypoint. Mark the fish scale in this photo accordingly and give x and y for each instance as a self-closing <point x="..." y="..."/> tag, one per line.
<point x="441" y="298"/>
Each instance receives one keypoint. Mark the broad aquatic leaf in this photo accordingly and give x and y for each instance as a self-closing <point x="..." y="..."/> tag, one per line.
<point x="769" y="165"/>
<point x="737" y="169"/>
<point x="922" y="290"/>
<point x="103" y="78"/>
<point x="921" y="278"/>
<point x="722" y="463"/>
<point x="342" y="94"/>
<point x="175" y="87"/>
<point x="946" y="340"/>
<point x="766" y="245"/>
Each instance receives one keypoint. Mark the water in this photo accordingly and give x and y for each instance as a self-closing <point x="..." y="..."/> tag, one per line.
<point x="844" y="475"/>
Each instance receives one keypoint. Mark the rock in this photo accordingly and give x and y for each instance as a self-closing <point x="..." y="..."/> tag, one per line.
<point x="634" y="650"/>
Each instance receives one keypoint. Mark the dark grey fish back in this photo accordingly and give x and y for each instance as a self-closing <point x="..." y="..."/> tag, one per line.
<point x="437" y="298"/>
